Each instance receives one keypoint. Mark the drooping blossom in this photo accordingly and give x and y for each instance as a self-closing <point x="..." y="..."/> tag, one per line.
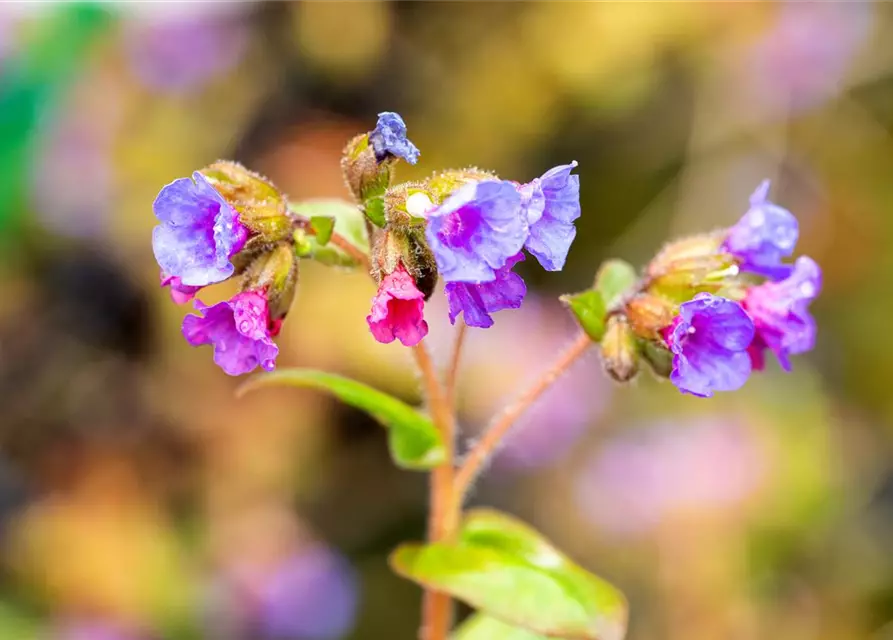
<point x="180" y="293"/>
<point x="476" y="230"/>
<point x="389" y="139"/>
<point x="709" y="340"/>
<point x="398" y="310"/>
<point x="552" y="203"/>
<point x="198" y="234"/>
<point x="764" y="236"/>
<point x="645" y="476"/>
<point x="780" y="313"/>
<point x="478" y="301"/>
<point x="238" y="329"/>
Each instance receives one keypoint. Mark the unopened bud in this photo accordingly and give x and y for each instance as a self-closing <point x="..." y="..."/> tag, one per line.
<point x="619" y="352"/>
<point x="262" y="208"/>
<point x="407" y="204"/>
<point x="648" y="314"/>
<point x="442" y="184"/>
<point x="699" y="246"/>
<point x="407" y="246"/>
<point x="658" y="357"/>
<point x="685" y="277"/>
<point x="366" y="177"/>
<point x="276" y="272"/>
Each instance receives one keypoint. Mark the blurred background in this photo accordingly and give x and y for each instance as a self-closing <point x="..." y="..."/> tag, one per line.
<point x="139" y="500"/>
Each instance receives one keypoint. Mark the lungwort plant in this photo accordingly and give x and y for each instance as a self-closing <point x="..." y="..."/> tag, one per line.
<point x="702" y="313"/>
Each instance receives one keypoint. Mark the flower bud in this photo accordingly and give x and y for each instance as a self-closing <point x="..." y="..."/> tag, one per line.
<point x="407" y="204"/>
<point x="262" y="208"/>
<point x="407" y="246"/>
<point x="275" y="272"/>
<point x="684" y="278"/>
<point x="619" y="351"/>
<point x="699" y="246"/>
<point x="444" y="183"/>
<point x="366" y="177"/>
<point x="658" y="357"/>
<point x="648" y="314"/>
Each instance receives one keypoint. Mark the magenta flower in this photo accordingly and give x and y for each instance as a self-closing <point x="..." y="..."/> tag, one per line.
<point x="781" y="316"/>
<point x="180" y="293"/>
<point x="476" y="230"/>
<point x="709" y="340"/>
<point x="398" y="310"/>
<point x="198" y="234"/>
<point x="239" y="329"/>
<point x="764" y="236"/>
<point x="478" y="301"/>
<point x="552" y="203"/>
<point x="389" y="139"/>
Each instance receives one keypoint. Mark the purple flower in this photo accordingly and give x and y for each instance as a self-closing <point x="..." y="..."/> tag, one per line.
<point x="389" y="139"/>
<point x="709" y="340"/>
<point x="764" y="236"/>
<point x="552" y="203"/>
<point x="198" y="234"/>
<point x="781" y="316"/>
<point x="478" y="301"/>
<point x="476" y="230"/>
<point x="239" y="329"/>
<point x="180" y="293"/>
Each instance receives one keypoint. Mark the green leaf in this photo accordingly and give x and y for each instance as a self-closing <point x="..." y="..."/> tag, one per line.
<point x="414" y="441"/>
<point x="323" y="226"/>
<point x="615" y="278"/>
<point x="348" y="222"/>
<point x="510" y="572"/>
<point x="481" y="627"/>
<point x="590" y="309"/>
<point x="375" y="211"/>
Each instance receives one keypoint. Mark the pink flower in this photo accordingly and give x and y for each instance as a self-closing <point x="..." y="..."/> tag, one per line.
<point x="180" y="293"/>
<point x="397" y="310"/>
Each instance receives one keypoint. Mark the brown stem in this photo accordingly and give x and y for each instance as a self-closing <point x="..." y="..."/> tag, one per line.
<point x="437" y="607"/>
<point x="501" y="425"/>
<point x="347" y="247"/>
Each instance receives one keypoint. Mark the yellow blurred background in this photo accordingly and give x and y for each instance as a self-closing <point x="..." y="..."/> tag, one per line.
<point x="139" y="500"/>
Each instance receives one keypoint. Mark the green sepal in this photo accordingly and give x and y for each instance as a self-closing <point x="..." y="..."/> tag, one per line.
<point x="615" y="279"/>
<point x="374" y="210"/>
<point x="322" y="226"/>
<point x="590" y="310"/>
<point x="414" y="441"/>
<point x="509" y="571"/>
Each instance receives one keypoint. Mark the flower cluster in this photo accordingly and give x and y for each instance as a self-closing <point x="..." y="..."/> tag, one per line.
<point x="710" y="306"/>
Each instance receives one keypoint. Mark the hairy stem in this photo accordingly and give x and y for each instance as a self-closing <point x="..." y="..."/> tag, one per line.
<point x="437" y="607"/>
<point x="501" y="425"/>
<point x="347" y="247"/>
<point x="453" y="370"/>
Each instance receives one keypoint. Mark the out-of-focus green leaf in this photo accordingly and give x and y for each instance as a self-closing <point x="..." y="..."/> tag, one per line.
<point x="590" y="310"/>
<point x="481" y="627"/>
<point x="614" y="278"/>
<point x="323" y="226"/>
<point x="349" y="221"/>
<point x="14" y="624"/>
<point x="31" y="80"/>
<point x="414" y="441"/>
<point x="511" y="572"/>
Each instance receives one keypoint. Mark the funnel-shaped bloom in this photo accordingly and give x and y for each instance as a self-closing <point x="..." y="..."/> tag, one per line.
<point x="780" y="312"/>
<point x="709" y="340"/>
<point x="198" y="234"/>
<point x="552" y="203"/>
<point x="239" y="330"/>
<point x="398" y="310"/>
<point x="478" y="301"/>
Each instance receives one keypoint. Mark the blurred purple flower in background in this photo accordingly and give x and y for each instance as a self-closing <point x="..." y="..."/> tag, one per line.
<point x="312" y="595"/>
<point x="510" y="355"/>
<point x="181" y="47"/>
<point x="643" y="477"/>
<point x="804" y="57"/>
<point x="91" y="630"/>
